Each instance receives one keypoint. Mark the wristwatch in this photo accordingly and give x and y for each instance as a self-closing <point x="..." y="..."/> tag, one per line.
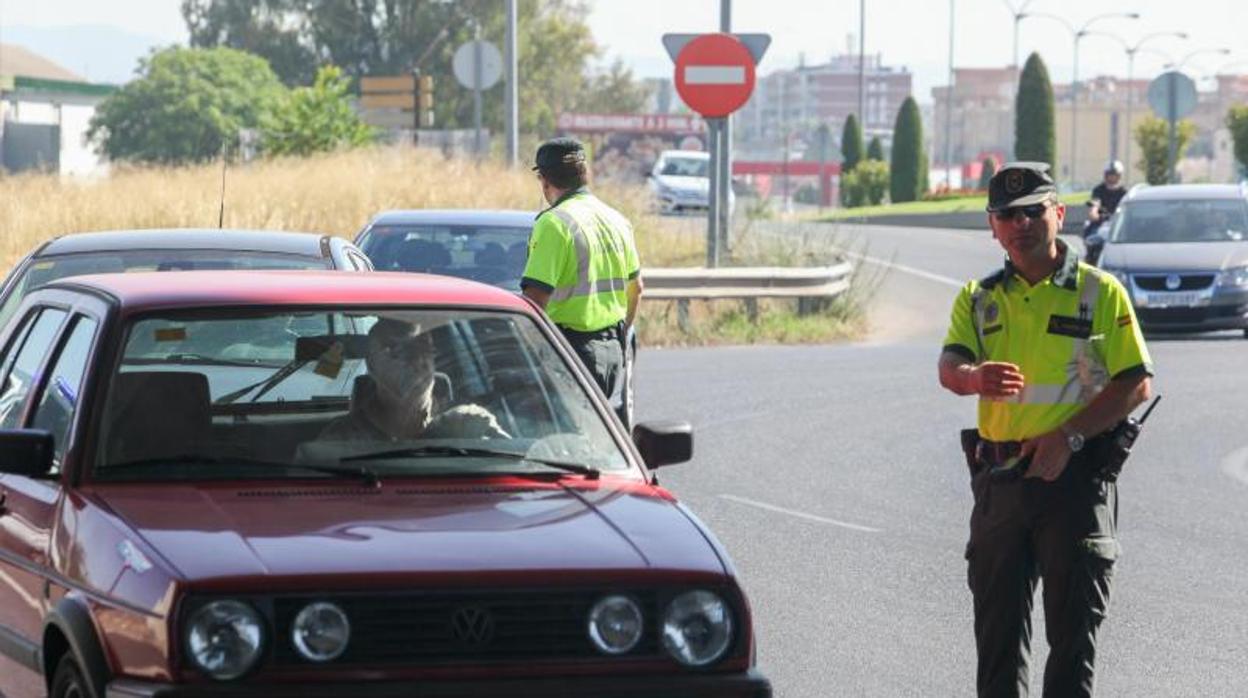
<point x="1074" y="440"/>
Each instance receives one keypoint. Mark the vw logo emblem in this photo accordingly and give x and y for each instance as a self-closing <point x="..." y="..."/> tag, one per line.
<point x="1173" y="282"/>
<point x="473" y="626"/>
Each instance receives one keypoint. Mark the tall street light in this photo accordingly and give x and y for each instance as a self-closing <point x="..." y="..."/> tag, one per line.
<point x="1076" y="36"/>
<point x="949" y="109"/>
<point x="1198" y="52"/>
<point x="1019" y="13"/>
<point x="1131" y="50"/>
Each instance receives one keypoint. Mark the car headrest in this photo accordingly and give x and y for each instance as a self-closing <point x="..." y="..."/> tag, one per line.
<point x="422" y="255"/>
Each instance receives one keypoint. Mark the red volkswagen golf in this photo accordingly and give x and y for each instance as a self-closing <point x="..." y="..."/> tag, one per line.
<point x="325" y="484"/>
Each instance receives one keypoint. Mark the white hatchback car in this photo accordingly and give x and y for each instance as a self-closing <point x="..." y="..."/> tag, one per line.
<point x="680" y="181"/>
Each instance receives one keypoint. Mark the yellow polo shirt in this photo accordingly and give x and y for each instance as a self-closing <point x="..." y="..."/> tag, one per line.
<point x="1069" y="334"/>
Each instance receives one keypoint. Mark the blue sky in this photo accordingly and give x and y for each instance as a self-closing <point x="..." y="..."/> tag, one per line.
<point x="911" y="33"/>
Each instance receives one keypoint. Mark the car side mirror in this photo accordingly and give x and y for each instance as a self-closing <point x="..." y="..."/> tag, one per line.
<point x="664" y="443"/>
<point x="26" y="452"/>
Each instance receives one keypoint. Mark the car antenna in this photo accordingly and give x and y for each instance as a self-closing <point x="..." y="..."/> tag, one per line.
<point x="221" y="213"/>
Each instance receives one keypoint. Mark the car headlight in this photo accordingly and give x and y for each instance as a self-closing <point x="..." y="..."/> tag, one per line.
<point x="225" y="638"/>
<point x="1120" y="274"/>
<point x="1234" y="277"/>
<point x="615" y="624"/>
<point x="697" y="628"/>
<point x="321" y="632"/>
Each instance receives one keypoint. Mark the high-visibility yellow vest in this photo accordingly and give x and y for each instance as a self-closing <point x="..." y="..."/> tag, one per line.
<point x="582" y="252"/>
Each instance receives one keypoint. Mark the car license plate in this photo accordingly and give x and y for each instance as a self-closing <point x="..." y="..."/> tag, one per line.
<point x="1165" y="300"/>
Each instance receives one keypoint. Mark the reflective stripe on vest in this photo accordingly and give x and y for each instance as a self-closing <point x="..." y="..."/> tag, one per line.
<point x="583" y="286"/>
<point x="1086" y="374"/>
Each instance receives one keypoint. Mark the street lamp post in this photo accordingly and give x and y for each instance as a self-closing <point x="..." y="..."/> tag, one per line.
<point x="1018" y="14"/>
<point x="1131" y="50"/>
<point x="949" y="108"/>
<point x="1076" y="36"/>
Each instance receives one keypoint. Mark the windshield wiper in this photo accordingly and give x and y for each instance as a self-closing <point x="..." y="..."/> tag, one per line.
<point x="472" y="452"/>
<point x="358" y="472"/>
<point x="193" y="359"/>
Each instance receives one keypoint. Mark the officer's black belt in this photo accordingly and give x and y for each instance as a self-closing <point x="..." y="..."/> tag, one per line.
<point x="608" y="332"/>
<point x="994" y="453"/>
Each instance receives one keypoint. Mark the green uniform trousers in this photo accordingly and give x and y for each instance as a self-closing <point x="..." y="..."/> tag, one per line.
<point x="1063" y="532"/>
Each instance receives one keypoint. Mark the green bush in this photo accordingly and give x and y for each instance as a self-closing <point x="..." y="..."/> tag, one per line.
<point x="907" y="170"/>
<point x="185" y="106"/>
<point x="1035" y="136"/>
<point x="1237" y="122"/>
<point x="315" y="119"/>
<point x="875" y="151"/>
<point x="851" y="144"/>
<point x="986" y="171"/>
<point x="1153" y="136"/>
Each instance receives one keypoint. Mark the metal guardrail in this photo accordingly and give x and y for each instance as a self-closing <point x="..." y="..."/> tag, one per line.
<point x="694" y="283"/>
<point x="813" y="287"/>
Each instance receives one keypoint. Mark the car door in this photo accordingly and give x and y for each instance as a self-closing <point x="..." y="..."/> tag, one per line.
<point x="39" y="390"/>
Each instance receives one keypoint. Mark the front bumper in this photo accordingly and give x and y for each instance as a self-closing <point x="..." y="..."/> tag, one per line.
<point x="1200" y="318"/>
<point x="751" y="684"/>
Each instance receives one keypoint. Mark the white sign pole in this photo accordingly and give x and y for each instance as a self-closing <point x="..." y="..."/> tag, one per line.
<point x="725" y="152"/>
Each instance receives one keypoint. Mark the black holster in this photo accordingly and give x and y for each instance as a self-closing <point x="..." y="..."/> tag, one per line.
<point x="970" y="448"/>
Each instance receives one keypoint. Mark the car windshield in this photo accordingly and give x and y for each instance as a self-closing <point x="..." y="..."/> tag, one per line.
<point x="1195" y="220"/>
<point x="490" y="254"/>
<point x="685" y="167"/>
<point x="45" y="270"/>
<point x="313" y="393"/>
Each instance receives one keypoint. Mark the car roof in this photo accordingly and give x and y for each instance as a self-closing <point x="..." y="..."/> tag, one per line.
<point x="1168" y="192"/>
<point x="467" y="216"/>
<point x="302" y="244"/>
<point x="144" y="291"/>
<point x="698" y="154"/>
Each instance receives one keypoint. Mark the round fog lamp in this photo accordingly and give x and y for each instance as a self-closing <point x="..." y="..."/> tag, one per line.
<point x="697" y="628"/>
<point x="224" y="639"/>
<point x="321" y="632"/>
<point x="615" y="624"/>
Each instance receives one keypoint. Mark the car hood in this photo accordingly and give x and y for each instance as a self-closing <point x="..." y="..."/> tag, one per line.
<point x="210" y="531"/>
<point x="1178" y="256"/>
<point x="685" y="184"/>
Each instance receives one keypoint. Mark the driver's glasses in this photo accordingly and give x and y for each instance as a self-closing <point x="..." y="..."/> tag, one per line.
<point x="1032" y="212"/>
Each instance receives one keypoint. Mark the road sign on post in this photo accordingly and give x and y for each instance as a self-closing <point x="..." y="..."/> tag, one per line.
<point x="477" y="65"/>
<point x="715" y="77"/>
<point x="1172" y="96"/>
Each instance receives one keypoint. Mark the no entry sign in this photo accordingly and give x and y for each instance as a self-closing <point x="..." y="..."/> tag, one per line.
<point x="715" y="74"/>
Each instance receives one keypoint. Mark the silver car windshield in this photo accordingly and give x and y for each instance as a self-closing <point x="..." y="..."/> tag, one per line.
<point x="1195" y="220"/>
<point x="685" y="167"/>
<point x="391" y="393"/>
<point x="48" y="269"/>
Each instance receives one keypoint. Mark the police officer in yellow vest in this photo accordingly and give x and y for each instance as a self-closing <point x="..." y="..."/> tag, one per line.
<point x="1052" y="348"/>
<point x="583" y="267"/>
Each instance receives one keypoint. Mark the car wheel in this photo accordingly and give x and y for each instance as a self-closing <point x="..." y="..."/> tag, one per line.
<point x="68" y="681"/>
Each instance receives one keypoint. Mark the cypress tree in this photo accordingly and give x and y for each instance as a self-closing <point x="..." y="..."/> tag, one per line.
<point x="986" y="171"/>
<point x="1035" y="136"/>
<point x="851" y="144"/>
<point x="875" y="151"/>
<point x="906" y="170"/>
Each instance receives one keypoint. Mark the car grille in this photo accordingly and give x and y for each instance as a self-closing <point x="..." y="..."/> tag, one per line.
<point x="1187" y="316"/>
<point x="449" y="627"/>
<point x="1187" y="282"/>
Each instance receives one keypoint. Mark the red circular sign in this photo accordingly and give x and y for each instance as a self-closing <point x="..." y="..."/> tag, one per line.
<point x="715" y="74"/>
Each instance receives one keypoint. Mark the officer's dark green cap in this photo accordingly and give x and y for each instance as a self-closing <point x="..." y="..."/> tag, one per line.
<point x="1020" y="184"/>
<point x="558" y="153"/>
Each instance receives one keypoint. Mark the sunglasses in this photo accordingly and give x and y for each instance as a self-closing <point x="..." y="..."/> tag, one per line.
<point x="1032" y="212"/>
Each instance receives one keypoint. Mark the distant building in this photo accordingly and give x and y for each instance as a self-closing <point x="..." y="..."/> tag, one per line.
<point x="45" y="111"/>
<point x="1109" y="110"/>
<point x="798" y="100"/>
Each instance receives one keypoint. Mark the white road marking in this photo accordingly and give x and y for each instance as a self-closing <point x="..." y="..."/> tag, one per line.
<point x="1236" y="465"/>
<point x="714" y="75"/>
<point x="798" y="514"/>
<point x="909" y="270"/>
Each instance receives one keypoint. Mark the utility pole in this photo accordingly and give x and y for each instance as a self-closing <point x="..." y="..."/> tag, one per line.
<point x="862" y="65"/>
<point x="949" y="109"/>
<point x="725" y="148"/>
<point x="511" y="102"/>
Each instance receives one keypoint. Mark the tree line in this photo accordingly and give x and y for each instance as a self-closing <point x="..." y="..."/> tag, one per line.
<point x="288" y="69"/>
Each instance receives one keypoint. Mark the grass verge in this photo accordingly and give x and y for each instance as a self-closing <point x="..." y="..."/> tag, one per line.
<point x="968" y="204"/>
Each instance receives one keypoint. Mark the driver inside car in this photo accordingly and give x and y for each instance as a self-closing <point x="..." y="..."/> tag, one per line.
<point x="395" y="401"/>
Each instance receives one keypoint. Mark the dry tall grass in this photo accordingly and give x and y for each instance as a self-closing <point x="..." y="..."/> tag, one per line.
<point x="335" y="193"/>
<point x="338" y="193"/>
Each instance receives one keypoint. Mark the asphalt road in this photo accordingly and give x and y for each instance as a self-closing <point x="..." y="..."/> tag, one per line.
<point x="833" y="476"/>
